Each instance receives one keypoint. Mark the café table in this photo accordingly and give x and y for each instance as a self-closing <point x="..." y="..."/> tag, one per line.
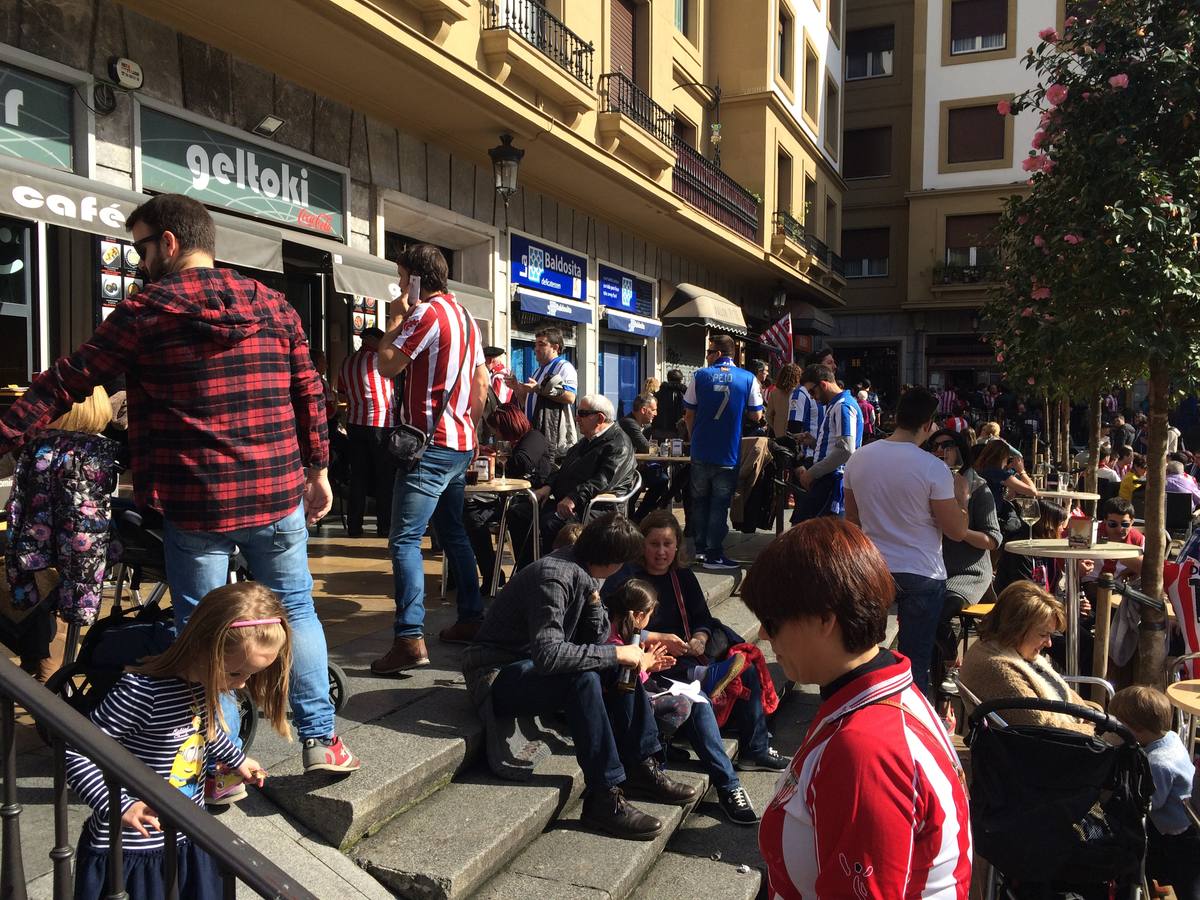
<point x="671" y="462"/>
<point x="1185" y="697"/>
<point x="506" y="489"/>
<point x="1060" y="549"/>
<point x="1068" y="495"/>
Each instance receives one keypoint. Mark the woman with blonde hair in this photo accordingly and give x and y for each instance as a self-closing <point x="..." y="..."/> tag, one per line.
<point x="1007" y="661"/>
<point x="779" y="401"/>
<point x="59" y="515"/>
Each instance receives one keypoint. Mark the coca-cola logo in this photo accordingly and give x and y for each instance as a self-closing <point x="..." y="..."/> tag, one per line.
<point x="317" y="221"/>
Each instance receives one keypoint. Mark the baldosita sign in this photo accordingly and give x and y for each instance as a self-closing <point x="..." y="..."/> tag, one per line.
<point x="218" y="169"/>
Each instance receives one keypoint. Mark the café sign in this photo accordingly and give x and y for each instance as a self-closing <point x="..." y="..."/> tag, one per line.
<point x="225" y="171"/>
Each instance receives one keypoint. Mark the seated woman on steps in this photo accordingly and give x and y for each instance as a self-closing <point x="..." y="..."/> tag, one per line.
<point x="701" y="642"/>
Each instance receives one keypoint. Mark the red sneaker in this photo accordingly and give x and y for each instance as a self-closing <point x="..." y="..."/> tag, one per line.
<point x="329" y="755"/>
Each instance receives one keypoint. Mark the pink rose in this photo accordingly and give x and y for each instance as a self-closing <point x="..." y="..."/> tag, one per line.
<point x="1100" y="48"/>
<point x="1056" y="94"/>
<point x="1032" y="380"/>
<point x="1039" y="241"/>
<point x="1039" y="138"/>
<point x="1004" y="108"/>
<point x="1032" y="164"/>
<point x="1046" y="118"/>
<point x="1040" y="293"/>
<point x="1121" y="139"/>
<point x="1086" y="95"/>
<point x="1022" y="219"/>
<point x="1049" y="35"/>
<point x="1120" y="82"/>
<point x="1027" y="312"/>
<point x="1072" y="239"/>
<point x="999" y="357"/>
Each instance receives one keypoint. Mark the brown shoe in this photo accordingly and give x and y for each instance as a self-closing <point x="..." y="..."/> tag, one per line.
<point x="459" y="633"/>
<point x="40" y="669"/>
<point x="406" y="653"/>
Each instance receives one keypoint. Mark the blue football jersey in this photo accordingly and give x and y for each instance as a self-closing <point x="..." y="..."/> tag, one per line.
<point x="720" y="395"/>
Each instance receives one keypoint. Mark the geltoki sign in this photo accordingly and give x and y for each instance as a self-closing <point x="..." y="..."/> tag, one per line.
<point x="547" y="269"/>
<point x="36" y="118"/>
<point x="221" y="170"/>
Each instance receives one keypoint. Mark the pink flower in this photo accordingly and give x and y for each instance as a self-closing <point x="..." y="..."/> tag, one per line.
<point x="1120" y="82"/>
<point x="1046" y="118"/>
<point x="1022" y="219"/>
<point x="1071" y="21"/>
<point x="999" y="357"/>
<point x="1056" y="94"/>
<point x="1121" y="139"/>
<point x="1049" y="35"/>
<point x="1004" y="108"/>
<point x="1100" y="48"/>
<point x="1027" y="312"/>
<point x="1000" y="344"/>
<point x="1039" y="241"/>
<point x="1047" y="318"/>
<point x="1041" y="293"/>
<point x="1039" y="138"/>
<point x="1072" y="239"/>
<point x="1032" y="163"/>
<point x="1086" y="95"/>
<point x="1032" y="380"/>
<point x="81" y="542"/>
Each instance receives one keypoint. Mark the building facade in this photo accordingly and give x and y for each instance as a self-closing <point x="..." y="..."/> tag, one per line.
<point x="327" y="136"/>
<point x="928" y="164"/>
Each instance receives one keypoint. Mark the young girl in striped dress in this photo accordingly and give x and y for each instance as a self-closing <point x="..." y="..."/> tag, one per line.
<point x="167" y="713"/>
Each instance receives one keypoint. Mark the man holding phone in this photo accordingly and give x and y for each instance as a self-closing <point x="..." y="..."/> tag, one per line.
<point x="437" y="346"/>
<point x="547" y="395"/>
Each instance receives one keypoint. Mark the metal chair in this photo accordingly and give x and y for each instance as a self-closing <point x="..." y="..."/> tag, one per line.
<point x="616" y="501"/>
<point x="1179" y="514"/>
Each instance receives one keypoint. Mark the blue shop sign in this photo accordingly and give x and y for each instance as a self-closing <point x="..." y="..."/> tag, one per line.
<point x="547" y="269"/>
<point x="620" y="290"/>
<point x="631" y="324"/>
<point x="542" y="305"/>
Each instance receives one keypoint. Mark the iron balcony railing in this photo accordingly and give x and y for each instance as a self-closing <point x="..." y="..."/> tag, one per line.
<point x="619" y="94"/>
<point x="787" y="224"/>
<point x="555" y="40"/>
<point x="237" y="859"/>
<point x="984" y="273"/>
<point x="703" y="185"/>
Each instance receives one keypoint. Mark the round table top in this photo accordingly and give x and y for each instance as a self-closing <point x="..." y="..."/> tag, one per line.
<point x="1069" y="495"/>
<point x="650" y="457"/>
<point x="1185" y="695"/>
<point x="499" y="486"/>
<point x="1059" y="549"/>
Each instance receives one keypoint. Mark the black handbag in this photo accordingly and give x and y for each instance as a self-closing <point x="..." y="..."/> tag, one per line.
<point x="407" y="443"/>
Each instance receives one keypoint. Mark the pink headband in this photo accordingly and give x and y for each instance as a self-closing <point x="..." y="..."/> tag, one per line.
<point x="247" y="623"/>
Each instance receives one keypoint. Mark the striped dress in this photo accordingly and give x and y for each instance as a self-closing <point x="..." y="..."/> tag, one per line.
<point x="161" y="721"/>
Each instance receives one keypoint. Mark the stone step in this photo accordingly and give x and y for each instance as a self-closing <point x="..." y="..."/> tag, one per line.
<point x="681" y="876"/>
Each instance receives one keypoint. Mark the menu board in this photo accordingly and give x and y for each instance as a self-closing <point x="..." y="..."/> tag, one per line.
<point x="117" y="275"/>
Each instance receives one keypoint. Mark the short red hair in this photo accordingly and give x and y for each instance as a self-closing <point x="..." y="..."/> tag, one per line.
<point x="509" y="422"/>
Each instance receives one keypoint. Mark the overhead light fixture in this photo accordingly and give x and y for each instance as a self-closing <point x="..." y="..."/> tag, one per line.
<point x="268" y="125"/>
<point x="506" y="160"/>
<point x="779" y="299"/>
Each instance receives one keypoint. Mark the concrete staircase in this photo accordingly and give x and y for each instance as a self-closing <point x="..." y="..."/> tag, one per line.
<point x="427" y="819"/>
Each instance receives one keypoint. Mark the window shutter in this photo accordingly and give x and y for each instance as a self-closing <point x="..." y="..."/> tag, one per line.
<point x="865" y="243"/>
<point x="971" y="231"/>
<point x="868" y="153"/>
<point x="622" y="43"/>
<point x="971" y="18"/>
<point x="976" y="133"/>
<point x="871" y="40"/>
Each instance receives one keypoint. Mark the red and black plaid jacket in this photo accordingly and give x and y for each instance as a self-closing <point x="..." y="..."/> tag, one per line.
<point x="225" y="408"/>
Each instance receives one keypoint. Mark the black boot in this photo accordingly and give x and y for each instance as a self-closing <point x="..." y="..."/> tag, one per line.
<point x="649" y="781"/>
<point x="607" y="810"/>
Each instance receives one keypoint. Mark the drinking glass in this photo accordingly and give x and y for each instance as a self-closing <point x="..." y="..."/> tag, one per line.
<point x="1029" y="511"/>
<point x="503" y="450"/>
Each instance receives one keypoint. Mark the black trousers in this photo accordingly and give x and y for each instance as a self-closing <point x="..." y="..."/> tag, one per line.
<point x="520" y="527"/>
<point x="655" y="493"/>
<point x="371" y="471"/>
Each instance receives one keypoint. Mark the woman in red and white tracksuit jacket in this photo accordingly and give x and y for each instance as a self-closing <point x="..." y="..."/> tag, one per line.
<point x="873" y="804"/>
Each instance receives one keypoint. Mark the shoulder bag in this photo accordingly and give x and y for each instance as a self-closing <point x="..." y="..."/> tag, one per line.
<point x="407" y="443"/>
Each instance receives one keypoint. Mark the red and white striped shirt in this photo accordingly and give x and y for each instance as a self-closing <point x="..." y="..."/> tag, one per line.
<point x="443" y="342"/>
<point x="503" y="392"/>
<point x="371" y="396"/>
<point x="873" y="805"/>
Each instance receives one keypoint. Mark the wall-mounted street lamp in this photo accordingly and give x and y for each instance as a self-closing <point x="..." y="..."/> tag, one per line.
<point x="506" y="160"/>
<point x="714" y="106"/>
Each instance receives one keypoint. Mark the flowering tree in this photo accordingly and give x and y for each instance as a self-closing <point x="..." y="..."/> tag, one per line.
<point x="1103" y="276"/>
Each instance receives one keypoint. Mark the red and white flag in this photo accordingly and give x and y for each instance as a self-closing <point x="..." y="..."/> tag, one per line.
<point x="778" y="338"/>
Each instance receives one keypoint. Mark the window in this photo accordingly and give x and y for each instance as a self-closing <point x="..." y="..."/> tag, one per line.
<point x="865" y="252"/>
<point x="16" y="302"/>
<point x="970" y="239"/>
<point x="831" y="222"/>
<point x="783" y="181"/>
<point x="978" y="25"/>
<point x="685" y="131"/>
<point x="812" y="84"/>
<point x="868" y="153"/>
<point x="835" y="21"/>
<point x="395" y="243"/>
<point x="681" y="16"/>
<point x="974" y="134"/>
<point x="810" y="204"/>
<point x="869" y="52"/>
<point x="833" y="113"/>
<point x="785" y="46"/>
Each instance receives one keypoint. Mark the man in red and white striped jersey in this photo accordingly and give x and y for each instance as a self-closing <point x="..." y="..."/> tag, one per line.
<point x="370" y="415"/>
<point x="498" y="373"/>
<point x="437" y="346"/>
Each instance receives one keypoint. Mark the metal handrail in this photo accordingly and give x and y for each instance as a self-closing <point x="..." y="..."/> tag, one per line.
<point x="237" y="858"/>
<point x="552" y="37"/>
<point x="619" y="94"/>
<point x="787" y="224"/>
<point x="703" y="185"/>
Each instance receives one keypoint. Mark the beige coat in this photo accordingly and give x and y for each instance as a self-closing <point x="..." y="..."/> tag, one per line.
<point x="992" y="672"/>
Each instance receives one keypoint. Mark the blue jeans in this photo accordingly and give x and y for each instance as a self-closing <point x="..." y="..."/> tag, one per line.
<point x="712" y="492"/>
<point x="432" y="492"/>
<point x="705" y="737"/>
<point x="609" y="728"/>
<point x="919" y="603"/>
<point x="198" y="562"/>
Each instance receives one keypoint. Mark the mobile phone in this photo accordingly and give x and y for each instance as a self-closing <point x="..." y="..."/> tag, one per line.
<point x="414" y="290"/>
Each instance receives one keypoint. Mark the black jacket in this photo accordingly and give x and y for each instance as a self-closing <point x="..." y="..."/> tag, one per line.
<point x="670" y="409"/>
<point x="594" y="466"/>
<point x="530" y="458"/>
<point x="636" y="434"/>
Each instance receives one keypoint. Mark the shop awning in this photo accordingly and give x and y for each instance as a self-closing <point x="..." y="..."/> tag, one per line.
<point x="631" y="324"/>
<point x="555" y="307"/>
<point x="30" y="191"/>
<point x="476" y="300"/>
<point x="354" y="272"/>
<point x="692" y="305"/>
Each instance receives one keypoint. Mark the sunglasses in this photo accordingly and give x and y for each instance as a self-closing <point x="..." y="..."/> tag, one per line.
<point x="943" y="445"/>
<point x="1124" y="526"/>
<point x="584" y="413"/>
<point x="139" y="244"/>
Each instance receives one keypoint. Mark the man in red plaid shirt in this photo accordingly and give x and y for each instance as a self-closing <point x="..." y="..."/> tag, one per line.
<point x="227" y="433"/>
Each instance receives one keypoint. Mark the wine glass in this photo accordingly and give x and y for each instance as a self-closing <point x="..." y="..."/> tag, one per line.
<point x="1029" y="511"/>
<point x="503" y="451"/>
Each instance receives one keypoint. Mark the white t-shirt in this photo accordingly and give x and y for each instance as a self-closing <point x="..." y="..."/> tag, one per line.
<point x="893" y="484"/>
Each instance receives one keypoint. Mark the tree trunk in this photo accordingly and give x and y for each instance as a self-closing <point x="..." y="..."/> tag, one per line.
<point x="1095" y="425"/>
<point x="1152" y="636"/>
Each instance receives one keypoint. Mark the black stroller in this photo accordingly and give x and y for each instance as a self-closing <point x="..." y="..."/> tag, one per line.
<point x="1058" y="814"/>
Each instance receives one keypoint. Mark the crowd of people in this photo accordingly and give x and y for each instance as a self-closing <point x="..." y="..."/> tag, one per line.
<point x="903" y="506"/>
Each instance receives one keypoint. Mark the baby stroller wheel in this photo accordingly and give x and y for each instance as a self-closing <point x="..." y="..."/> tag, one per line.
<point x="72" y="684"/>
<point x="339" y="687"/>
<point x="248" y="720"/>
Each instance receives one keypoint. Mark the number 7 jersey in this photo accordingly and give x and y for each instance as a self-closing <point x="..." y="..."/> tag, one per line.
<point x="720" y="395"/>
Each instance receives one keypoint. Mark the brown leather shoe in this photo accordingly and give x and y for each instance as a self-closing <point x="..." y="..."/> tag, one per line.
<point x="406" y="653"/>
<point x="40" y="669"/>
<point x="459" y="633"/>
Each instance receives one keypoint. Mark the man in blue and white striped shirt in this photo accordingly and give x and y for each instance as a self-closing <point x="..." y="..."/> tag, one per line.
<point x="805" y="416"/>
<point x="838" y="436"/>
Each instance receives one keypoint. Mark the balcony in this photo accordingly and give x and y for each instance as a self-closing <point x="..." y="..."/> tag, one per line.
<point x="633" y="122"/>
<point x="437" y="16"/>
<point x="520" y="35"/>
<point x="788" y="240"/>
<point x="701" y="184"/>
<point x="948" y="275"/>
